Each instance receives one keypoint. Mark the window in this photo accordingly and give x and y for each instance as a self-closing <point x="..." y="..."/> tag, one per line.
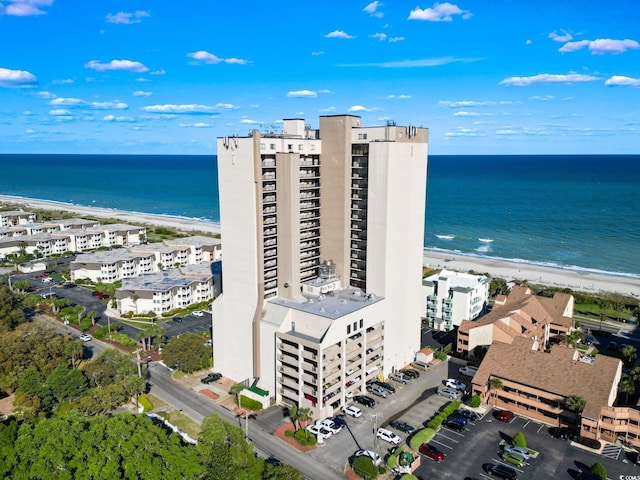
<point x="355" y="326"/>
<point x="272" y="146"/>
<point x="290" y="146"/>
<point x="361" y="322"/>
<point x="312" y="147"/>
<point x="362" y="136"/>
<point x="348" y="329"/>
<point x="300" y="146"/>
<point x="262" y="146"/>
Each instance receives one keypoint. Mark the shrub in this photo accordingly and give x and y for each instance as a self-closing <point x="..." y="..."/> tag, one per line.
<point x="420" y="437"/>
<point x="519" y="440"/>
<point x="475" y="401"/>
<point x="250" y="403"/>
<point x="392" y="461"/>
<point x="434" y="423"/>
<point x="447" y="348"/>
<point x="145" y="403"/>
<point x="365" y="467"/>
<point x="599" y="469"/>
<point x="86" y="324"/>
<point x="288" y="433"/>
<point x="304" y="437"/>
<point x="438" y="355"/>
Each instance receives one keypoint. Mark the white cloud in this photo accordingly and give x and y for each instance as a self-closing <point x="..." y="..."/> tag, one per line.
<point x="188" y="109"/>
<point x="126" y="17"/>
<point x="17" y="78"/>
<point x="45" y="95"/>
<point x="120" y="118"/>
<point x="474" y="103"/>
<point x="25" y="8"/>
<point x="249" y="121"/>
<point x="548" y="78"/>
<point x="402" y="97"/>
<point x="195" y="125"/>
<point x="302" y="93"/>
<point x="126" y="65"/>
<point x="396" y="39"/>
<point x="441" y="12"/>
<point x="528" y="42"/>
<point x="59" y="111"/>
<point x="372" y="9"/>
<point x="338" y="34"/>
<point x="205" y="57"/>
<point x="324" y="91"/>
<point x="158" y="72"/>
<point x="380" y="36"/>
<point x="142" y="93"/>
<point x="328" y="109"/>
<point x="470" y="114"/>
<point x="64" y="81"/>
<point x="77" y="102"/>
<point x="142" y="80"/>
<point x="601" y="46"/>
<point x="210" y="58"/>
<point x="426" y="62"/>
<point x="464" y="132"/>
<point x="360" y="108"/>
<point x="316" y="54"/>
<point x="542" y="98"/>
<point x="561" y="37"/>
<point x="619" y="80"/>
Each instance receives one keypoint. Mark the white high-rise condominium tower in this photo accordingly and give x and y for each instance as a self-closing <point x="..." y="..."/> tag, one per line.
<point x="322" y="235"/>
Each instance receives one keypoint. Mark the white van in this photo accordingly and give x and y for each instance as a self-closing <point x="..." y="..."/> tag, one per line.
<point x="468" y="371"/>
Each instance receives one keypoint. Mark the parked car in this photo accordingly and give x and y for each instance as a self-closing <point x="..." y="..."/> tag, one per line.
<point x="386" y="385"/>
<point x="504" y="415"/>
<point x="104" y="296"/>
<point x="338" y="421"/>
<point x="402" y="426"/>
<point x="515" y="449"/>
<point x="197" y="313"/>
<point x="411" y="373"/>
<point x="612" y="345"/>
<point x="399" y="377"/>
<point x="377" y="460"/>
<point x="85" y="337"/>
<point x="319" y="431"/>
<point x="95" y="293"/>
<point x="377" y="390"/>
<point x="388" y="436"/>
<point x="453" y="383"/>
<point x="453" y="425"/>
<point x="364" y="400"/>
<point x="330" y="425"/>
<point x="514" y="459"/>
<point x="458" y="418"/>
<point x="501" y="471"/>
<point x="432" y="452"/>
<point x="419" y="364"/>
<point x="468" y="371"/>
<point x="449" y="393"/>
<point x="177" y="319"/>
<point x="211" y="377"/>
<point x="472" y="416"/>
<point x="352" y="410"/>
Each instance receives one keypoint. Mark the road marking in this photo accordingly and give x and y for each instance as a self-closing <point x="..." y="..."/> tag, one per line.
<point x="506" y="464"/>
<point x="541" y="427"/>
<point x="526" y="423"/>
<point x="443" y="444"/>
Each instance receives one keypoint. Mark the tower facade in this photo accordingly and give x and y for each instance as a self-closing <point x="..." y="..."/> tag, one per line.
<point x="323" y="241"/>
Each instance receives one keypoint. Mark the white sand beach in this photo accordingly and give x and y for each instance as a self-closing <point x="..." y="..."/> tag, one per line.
<point x="543" y="275"/>
<point x="145" y="219"/>
<point x="557" y="277"/>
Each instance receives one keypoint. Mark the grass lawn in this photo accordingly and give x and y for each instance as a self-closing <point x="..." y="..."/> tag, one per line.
<point x="180" y="420"/>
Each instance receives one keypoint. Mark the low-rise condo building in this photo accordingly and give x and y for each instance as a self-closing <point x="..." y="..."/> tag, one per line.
<point x="9" y="218"/>
<point x="165" y="291"/>
<point x="453" y="297"/>
<point x="538" y="384"/>
<point x="521" y="314"/>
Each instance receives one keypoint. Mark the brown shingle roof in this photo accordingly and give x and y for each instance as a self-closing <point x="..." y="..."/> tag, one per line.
<point x="556" y="372"/>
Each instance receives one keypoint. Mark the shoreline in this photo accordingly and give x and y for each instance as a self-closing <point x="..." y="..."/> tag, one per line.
<point x="555" y="276"/>
<point x="154" y="219"/>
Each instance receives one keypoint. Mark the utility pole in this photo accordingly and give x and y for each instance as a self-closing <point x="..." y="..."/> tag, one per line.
<point x="137" y="352"/>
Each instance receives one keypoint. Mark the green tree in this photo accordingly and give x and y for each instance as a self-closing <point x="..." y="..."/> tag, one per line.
<point x="495" y="384"/>
<point x="571" y="339"/>
<point x="280" y="472"/>
<point x="519" y="440"/>
<point x="11" y="309"/>
<point x="575" y="403"/>
<point x="294" y="415"/>
<point x="188" y="352"/>
<point x="627" y="386"/>
<point x="304" y="416"/>
<point x="109" y="367"/>
<point x="630" y="353"/>
<point x="21" y="285"/>
<point x="147" y="335"/>
<point x="599" y="469"/>
<point x="66" y="383"/>
<point x="498" y="286"/>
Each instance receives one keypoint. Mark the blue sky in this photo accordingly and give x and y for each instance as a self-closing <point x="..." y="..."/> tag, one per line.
<point x="485" y="76"/>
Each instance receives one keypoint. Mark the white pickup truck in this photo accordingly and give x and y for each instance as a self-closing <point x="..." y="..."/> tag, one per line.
<point x="468" y="371"/>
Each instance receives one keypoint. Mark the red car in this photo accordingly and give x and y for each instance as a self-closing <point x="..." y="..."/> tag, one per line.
<point x="96" y="293"/>
<point x="431" y="452"/>
<point x="504" y="415"/>
<point x="104" y="296"/>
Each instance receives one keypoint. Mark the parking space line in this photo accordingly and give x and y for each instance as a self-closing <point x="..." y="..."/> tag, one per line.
<point x="526" y="423"/>
<point x="507" y="464"/>
<point x="443" y="444"/>
<point x="452" y="439"/>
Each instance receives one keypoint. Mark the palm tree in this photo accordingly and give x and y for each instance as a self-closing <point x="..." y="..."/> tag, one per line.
<point x="135" y="297"/>
<point x="630" y="353"/>
<point x="294" y="416"/>
<point x="304" y="416"/>
<point x="575" y="403"/>
<point x="495" y="384"/>
<point x="627" y="386"/>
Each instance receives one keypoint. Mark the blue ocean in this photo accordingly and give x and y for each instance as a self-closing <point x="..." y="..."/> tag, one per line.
<point x="580" y="212"/>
